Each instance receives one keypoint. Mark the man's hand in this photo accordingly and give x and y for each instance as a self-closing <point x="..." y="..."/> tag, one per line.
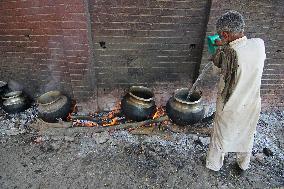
<point x="219" y="42"/>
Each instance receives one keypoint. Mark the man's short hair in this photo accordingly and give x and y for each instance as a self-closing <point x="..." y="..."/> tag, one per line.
<point x="231" y="21"/>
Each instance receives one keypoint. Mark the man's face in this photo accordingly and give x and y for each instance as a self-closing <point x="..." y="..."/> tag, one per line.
<point x="224" y="36"/>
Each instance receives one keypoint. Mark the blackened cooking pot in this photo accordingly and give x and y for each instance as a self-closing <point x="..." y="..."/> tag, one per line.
<point x="183" y="111"/>
<point x="14" y="102"/>
<point x="138" y="104"/>
<point x="53" y="106"/>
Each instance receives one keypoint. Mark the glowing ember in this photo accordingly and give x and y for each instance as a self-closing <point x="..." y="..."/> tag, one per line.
<point x="111" y="118"/>
<point x="114" y="121"/>
<point x="159" y="112"/>
<point x="85" y="123"/>
<point x="73" y="110"/>
<point x="113" y="115"/>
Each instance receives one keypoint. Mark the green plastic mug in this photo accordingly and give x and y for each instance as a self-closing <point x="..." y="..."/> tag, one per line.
<point x="211" y="43"/>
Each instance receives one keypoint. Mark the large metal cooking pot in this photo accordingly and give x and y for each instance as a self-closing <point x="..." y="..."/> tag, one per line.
<point x="14" y="102"/>
<point x="138" y="104"/>
<point x="183" y="111"/>
<point x="53" y="106"/>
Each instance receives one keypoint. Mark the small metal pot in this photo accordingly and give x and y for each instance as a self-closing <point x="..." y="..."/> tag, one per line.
<point x="13" y="94"/>
<point x="14" y="102"/>
<point x="182" y="111"/>
<point x="138" y="104"/>
<point x="53" y="106"/>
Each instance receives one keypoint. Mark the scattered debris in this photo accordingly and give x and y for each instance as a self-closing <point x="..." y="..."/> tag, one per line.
<point x="19" y="123"/>
<point x="198" y="142"/>
<point x="267" y="152"/>
<point x="101" y="138"/>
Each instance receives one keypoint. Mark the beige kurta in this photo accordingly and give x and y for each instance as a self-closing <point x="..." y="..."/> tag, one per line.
<point x="235" y="123"/>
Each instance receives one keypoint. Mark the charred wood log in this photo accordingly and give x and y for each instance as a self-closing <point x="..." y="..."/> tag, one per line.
<point x="97" y="129"/>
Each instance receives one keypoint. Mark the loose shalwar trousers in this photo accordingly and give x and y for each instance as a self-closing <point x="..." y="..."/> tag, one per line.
<point x="215" y="158"/>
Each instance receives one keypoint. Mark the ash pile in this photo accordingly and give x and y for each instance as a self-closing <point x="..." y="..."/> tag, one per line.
<point x="18" y="123"/>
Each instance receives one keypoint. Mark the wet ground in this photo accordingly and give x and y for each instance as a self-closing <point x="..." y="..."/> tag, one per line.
<point x="120" y="159"/>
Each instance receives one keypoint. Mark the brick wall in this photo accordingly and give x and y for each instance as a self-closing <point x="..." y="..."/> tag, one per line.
<point x="264" y="19"/>
<point x="44" y="45"/>
<point x="147" y="42"/>
<point x="94" y="50"/>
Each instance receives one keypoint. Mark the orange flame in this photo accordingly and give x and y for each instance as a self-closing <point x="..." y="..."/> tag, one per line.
<point x="113" y="122"/>
<point x="159" y="112"/>
<point x="111" y="115"/>
<point x="73" y="109"/>
<point x="156" y="115"/>
<point x="86" y="123"/>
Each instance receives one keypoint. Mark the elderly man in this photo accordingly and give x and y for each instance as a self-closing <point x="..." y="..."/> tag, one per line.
<point x="238" y="104"/>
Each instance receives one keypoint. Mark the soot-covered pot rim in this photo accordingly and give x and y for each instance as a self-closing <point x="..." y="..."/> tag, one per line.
<point x="49" y="97"/>
<point x="141" y="88"/>
<point x="13" y="101"/>
<point x="12" y="94"/>
<point x="185" y="90"/>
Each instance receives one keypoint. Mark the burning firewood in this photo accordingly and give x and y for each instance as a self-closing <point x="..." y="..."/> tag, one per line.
<point x="84" y="123"/>
<point x="98" y="129"/>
